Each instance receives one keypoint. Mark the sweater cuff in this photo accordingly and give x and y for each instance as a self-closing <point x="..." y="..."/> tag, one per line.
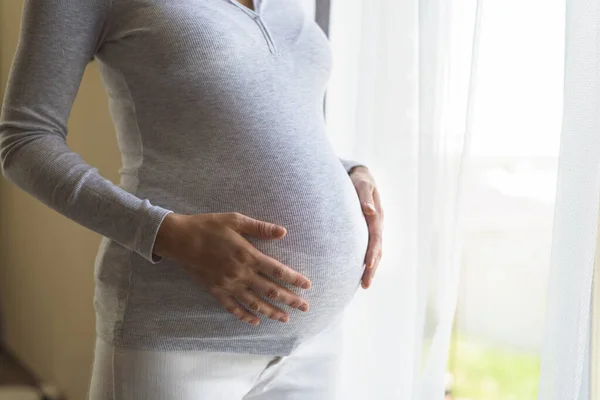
<point x="349" y="164"/>
<point x="152" y="218"/>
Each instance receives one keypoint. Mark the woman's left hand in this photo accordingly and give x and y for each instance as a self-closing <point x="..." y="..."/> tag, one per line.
<point x="371" y="206"/>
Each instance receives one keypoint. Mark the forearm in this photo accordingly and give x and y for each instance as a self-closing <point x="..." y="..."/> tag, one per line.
<point x="43" y="166"/>
<point x="45" y="76"/>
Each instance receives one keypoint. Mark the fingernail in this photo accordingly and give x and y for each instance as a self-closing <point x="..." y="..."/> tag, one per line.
<point x="371" y="207"/>
<point x="305" y="285"/>
<point x="283" y="319"/>
<point x="303" y="307"/>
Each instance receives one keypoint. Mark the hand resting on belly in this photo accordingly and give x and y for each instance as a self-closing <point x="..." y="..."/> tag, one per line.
<point x="201" y="242"/>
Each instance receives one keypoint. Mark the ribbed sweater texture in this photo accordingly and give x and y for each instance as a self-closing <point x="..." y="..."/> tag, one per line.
<point x="217" y="108"/>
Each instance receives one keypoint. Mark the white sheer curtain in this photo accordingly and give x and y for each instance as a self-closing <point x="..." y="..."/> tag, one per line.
<point x="566" y="348"/>
<point x="399" y="102"/>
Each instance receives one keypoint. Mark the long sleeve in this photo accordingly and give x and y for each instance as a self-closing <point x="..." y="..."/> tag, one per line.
<point x="57" y="40"/>
<point x="349" y="164"/>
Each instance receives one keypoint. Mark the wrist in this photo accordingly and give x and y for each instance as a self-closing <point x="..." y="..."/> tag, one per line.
<point x="165" y="236"/>
<point x="358" y="168"/>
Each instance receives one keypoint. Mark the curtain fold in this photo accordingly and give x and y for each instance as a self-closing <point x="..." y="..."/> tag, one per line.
<point x="448" y="34"/>
<point x="399" y="102"/>
<point x="566" y="345"/>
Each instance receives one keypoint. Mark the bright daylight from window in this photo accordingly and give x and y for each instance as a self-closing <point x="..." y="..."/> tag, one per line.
<point x="508" y="202"/>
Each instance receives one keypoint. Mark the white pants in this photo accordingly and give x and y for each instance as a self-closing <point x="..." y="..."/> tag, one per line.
<point x="308" y="373"/>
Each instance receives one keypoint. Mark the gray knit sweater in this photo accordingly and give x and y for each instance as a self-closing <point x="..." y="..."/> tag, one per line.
<point x="217" y="108"/>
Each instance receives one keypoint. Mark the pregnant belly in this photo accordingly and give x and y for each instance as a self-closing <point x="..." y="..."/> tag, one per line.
<point x="326" y="240"/>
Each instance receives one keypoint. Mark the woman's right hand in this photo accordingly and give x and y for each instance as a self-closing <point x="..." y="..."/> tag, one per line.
<point x="213" y="251"/>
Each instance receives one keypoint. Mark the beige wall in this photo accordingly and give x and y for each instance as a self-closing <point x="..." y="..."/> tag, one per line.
<point x="46" y="261"/>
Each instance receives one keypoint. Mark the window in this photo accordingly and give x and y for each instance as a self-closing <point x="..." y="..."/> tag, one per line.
<point x="509" y="202"/>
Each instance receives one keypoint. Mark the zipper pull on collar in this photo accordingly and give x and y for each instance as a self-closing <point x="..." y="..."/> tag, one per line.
<point x="256" y="16"/>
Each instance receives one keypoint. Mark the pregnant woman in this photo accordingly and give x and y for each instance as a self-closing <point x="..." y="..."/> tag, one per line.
<point x="236" y="237"/>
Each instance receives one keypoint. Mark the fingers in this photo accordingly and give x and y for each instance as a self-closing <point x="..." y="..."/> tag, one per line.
<point x="257" y="261"/>
<point x="367" y="203"/>
<point x="374" y="249"/>
<point x="265" y="264"/>
<point x="377" y="201"/>
<point x="258" y="305"/>
<point x="375" y="224"/>
<point x="275" y="292"/>
<point x="374" y="255"/>
<point x="275" y="269"/>
<point x="367" y="277"/>
<point x="233" y="307"/>
<point x="253" y="227"/>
